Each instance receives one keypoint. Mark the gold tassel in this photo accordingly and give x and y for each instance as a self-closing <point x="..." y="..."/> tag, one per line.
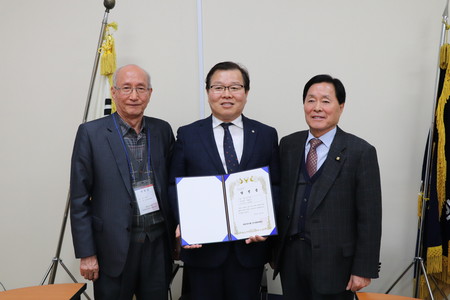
<point x="434" y="259"/>
<point x="443" y="57"/>
<point x="447" y="53"/>
<point x="441" y="172"/>
<point x="446" y="264"/>
<point x="108" y="50"/>
<point x="423" y="290"/>
<point x="442" y="281"/>
<point x="108" y="58"/>
<point x="444" y="51"/>
<point x="445" y="270"/>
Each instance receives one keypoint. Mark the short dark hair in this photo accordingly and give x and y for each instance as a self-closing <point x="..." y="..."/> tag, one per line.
<point x="338" y="86"/>
<point x="228" y="65"/>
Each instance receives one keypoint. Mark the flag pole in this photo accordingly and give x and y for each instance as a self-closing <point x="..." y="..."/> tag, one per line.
<point x="418" y="262"/>
<point x="427" y="177"/>
<point x="109" y="4"/>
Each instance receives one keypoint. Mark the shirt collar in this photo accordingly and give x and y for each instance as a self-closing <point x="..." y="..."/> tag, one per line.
<point x="125" y="127"/>
<point x="326" y="139"/>
<point x="237" y="122"/>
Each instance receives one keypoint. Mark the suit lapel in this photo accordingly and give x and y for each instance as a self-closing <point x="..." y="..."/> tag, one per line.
<point x="155" y="151"/>
<point x="251" y="131"/>
<point x="117" y="148"/>
<point x="335" y="160"/>
<point x="206" y="135"/>
<point x="293" y="164"/>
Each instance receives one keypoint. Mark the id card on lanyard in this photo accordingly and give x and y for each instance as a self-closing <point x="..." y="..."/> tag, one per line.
<point x="144" y="192"/>
<point x="146" y="199"/>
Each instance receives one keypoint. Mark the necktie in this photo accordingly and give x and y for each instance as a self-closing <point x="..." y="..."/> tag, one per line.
<point x="311" y="159"/>
<point x="228" y="149"/>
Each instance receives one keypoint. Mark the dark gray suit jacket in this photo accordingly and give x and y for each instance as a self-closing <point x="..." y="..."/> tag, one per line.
<point x="101" y="190"/>
<point x="344" y="209"/>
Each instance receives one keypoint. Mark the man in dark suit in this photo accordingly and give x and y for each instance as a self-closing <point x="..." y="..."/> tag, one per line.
<point x="229" y="270"/>
<point x="118" y="194"/>
<point x="330" y="208"/>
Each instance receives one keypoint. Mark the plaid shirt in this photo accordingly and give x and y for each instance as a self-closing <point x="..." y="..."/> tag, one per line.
<point x="150" y="224"/>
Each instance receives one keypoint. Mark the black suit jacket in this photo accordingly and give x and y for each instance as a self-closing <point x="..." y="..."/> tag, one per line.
<point x="344" y="209"/>
<point x="101" y="191"/>
<point x="196" y="154"/>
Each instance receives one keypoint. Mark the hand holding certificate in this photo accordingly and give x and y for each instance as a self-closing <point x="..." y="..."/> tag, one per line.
<point x="226" y="207"/>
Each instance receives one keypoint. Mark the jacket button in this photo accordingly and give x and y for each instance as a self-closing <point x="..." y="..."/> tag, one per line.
<point x="288" y="217"/>
<point x="128" y="229"/>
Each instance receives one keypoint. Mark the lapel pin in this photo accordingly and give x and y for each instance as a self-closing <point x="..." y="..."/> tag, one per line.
<point x="253" y="131"/>
<point x="338" y="158"/>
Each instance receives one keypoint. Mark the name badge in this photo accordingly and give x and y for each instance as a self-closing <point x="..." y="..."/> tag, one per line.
<point x="146" y="199"/>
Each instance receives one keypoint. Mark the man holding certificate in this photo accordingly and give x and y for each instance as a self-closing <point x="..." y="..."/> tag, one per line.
<point x="227" y="143"/>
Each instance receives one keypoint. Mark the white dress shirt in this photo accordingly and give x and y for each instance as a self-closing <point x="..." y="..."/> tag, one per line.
<point x="323" y="149"/>
<point x="237" y="134"/>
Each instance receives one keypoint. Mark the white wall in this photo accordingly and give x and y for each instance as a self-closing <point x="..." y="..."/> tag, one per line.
<point x="385" y="52"/>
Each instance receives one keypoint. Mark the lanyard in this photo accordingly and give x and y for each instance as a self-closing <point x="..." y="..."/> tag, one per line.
<point x="126" y="152"/>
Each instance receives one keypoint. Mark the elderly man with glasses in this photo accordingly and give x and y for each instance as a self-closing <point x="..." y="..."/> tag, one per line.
<point x="118" y="194"/>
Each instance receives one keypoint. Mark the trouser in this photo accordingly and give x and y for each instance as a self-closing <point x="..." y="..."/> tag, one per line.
<point x="296" y="273"/>
<point x="145" y="274"/>
<point x="230" y="281"/>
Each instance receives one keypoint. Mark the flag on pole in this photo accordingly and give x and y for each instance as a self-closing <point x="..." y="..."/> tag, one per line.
<point x="102" y="103"/>
<point x="436" y="229"/>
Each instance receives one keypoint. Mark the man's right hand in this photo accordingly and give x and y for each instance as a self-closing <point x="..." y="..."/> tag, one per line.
<point x="178" y="236"/>
<point x="89" y="267"/>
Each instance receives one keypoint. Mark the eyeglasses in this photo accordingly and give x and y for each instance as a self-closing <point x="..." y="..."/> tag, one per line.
<point x="219" y="89"/>
<point x="127" y="90"/>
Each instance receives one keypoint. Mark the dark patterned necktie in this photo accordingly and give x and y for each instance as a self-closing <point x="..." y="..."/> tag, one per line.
<point x="311" y="159"/>
<point x="228" y="149"/>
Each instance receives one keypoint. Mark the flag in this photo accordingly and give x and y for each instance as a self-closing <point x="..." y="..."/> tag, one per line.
<point x="101" y="103"/>
<point x="436" y="228"/>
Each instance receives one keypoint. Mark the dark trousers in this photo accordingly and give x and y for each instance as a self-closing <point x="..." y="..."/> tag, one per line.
<point x="145" y="274"/>
<point x="231" y="281"/>
<point x="296" y="273"/>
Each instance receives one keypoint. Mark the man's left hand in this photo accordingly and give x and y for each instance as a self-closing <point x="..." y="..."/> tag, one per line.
<point x="356" y="283"/>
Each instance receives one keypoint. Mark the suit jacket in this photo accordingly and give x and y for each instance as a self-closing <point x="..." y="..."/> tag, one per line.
<point x="196" y="154"/>
<point x="101" y="191"/>
<point x="344" y="209"/>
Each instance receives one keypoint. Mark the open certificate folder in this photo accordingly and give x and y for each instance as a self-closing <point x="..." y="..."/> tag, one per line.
<point x="225" y="207"/>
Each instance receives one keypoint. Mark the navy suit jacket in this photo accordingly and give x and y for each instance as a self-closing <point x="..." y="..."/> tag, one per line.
<point x="196" y="154"/>
<point x="101" y="191"/>
<point x="344" y="209"/>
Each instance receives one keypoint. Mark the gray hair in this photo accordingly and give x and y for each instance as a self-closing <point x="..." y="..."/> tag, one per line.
<point x="149" y="83"/>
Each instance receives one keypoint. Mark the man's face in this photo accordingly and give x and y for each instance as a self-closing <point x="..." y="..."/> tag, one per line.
<point x="322" y="109"/>
<point x="226" y="105"/>
<point x="131" y="106"/>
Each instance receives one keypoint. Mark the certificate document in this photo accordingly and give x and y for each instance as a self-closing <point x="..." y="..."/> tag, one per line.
<point x="225" y="207"/>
